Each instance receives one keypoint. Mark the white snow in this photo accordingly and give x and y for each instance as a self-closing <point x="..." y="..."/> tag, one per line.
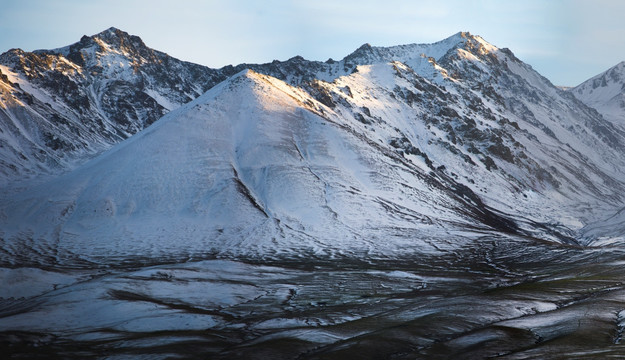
<point x="215" y="157"/>
<point x="605" y="93"/>
<point x="302" y="177"/>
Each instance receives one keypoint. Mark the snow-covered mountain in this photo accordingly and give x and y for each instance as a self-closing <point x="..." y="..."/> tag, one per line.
<point x="390" y="149"/>
<point x="605" y="93"/>
<point x="481" y="113"/>
<point x="252" y="167"/>
<point x="62" y="106"/>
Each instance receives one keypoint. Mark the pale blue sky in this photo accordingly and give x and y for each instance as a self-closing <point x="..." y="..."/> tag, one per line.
<point x="567" y="41"/>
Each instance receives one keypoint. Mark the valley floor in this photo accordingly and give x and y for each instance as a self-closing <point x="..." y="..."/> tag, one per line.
<point x="499" y="297"/>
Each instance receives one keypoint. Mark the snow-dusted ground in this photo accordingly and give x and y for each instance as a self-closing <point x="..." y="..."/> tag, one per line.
<point x="485" y="299"/>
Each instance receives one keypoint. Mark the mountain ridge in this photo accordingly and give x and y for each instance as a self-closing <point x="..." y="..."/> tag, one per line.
<point x="605" y="92"/>
<point x="99" y="111"/>
<point x="491" y="132"/>
<point x="81" y="99"/>
<point x="105" y="202"/>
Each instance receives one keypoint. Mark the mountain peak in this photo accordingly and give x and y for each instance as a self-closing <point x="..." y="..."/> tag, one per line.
<point x="468" y="41"/>
<point x="246" y="73"/>
<point x="615" y="75"/>
<point x="605" y="92"/>
<point x="365" y="47"/>
<point x="620" y="67"/>
<point x="367" y="54"/>
<point x="120" y="39"/>
<point x="111" y="33"/>
<point x="460" y="35"/>
<point x="111" y="38"/>
<point x="249" y="80"/>
<point x="365" y="51"/>
<point x="112" y="29"/>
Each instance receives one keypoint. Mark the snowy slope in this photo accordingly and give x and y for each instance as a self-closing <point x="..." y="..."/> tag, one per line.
<point x="252" y="167"/>
<point x="406" y="148"/>
<point x="605" y="93"/>
<point x="492" y="123"/>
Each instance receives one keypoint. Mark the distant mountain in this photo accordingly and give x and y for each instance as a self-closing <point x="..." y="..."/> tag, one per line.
<point x="389" y="150"/>
<point x="605" y="93"/>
